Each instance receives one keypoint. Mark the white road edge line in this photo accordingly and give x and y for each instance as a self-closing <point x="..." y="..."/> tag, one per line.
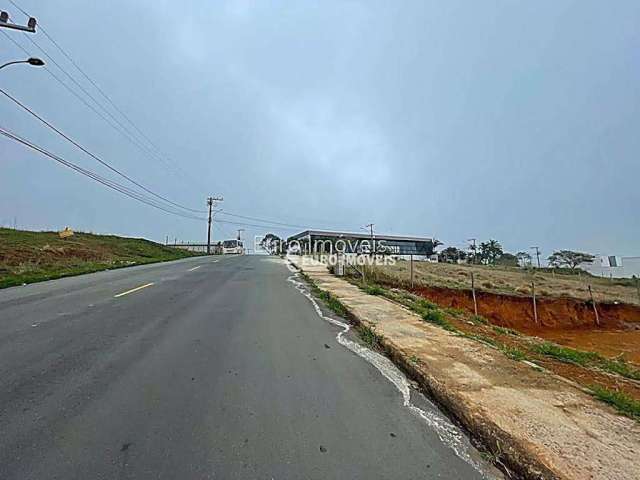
<point x="133" y="290"/>
<point x="194" y="268"/>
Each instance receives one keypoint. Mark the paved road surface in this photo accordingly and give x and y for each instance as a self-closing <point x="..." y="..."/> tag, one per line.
<point x="219" y="369"/>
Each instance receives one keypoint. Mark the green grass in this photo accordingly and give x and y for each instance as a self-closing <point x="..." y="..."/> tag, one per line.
<point x="415" y="359"/>
<point x="513" y="353"/>
<point x="455" y="312"/>
<point x="429" y="311"/>
<point x="437" y="318"/>
<point x="482" y="338"/>
<point x="28" y="257"/>
<point x="505" y="331"/>
<point x="333" y="303"/>
<point x="566" y="354"/>
<point x="479" y="320"/>
<point x="374" y="290"/>
<point x="588" y="359"/>
<point x="620" y="367"/>
<point x="369" y="336"/>
<point x="424" y="304"/>
<point x="619" y="400"/>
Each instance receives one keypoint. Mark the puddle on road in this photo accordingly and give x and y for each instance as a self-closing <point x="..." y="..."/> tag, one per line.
<point x="449" y="434"/>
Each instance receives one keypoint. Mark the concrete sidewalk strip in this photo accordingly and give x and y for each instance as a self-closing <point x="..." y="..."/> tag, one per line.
<point x="536" y="424"/>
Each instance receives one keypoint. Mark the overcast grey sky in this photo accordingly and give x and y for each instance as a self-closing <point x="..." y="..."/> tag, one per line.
<point x="490" y="119"/>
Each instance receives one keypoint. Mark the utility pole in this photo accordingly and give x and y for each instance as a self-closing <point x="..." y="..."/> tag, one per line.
<point x="240" y="230"/>
<point x="370" y="227"/>
<point x="473" y="248"/>
<point x="211" y="201"/>
<point x="537" y="249"/>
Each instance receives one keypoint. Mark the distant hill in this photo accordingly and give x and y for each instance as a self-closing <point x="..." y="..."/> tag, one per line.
<point x="27" y="257"/>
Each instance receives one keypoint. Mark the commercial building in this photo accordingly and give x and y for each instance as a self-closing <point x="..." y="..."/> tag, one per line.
<point x="320" y="241"/>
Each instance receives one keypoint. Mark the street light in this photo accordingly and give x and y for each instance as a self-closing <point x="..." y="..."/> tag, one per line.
<point x="36" y="62"/>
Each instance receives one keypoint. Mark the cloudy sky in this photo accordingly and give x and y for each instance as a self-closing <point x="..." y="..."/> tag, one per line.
<point x="456" y="119"/>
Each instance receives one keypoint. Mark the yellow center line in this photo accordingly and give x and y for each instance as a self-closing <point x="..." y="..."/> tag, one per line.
<point x="133" y="290"/>
<point x="194" y="268"/>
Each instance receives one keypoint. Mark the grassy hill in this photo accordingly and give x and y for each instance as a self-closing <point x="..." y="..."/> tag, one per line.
<point x="27" y="257"/>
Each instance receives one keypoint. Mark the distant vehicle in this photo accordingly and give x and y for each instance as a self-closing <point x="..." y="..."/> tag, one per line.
<point x="232" y="247"/>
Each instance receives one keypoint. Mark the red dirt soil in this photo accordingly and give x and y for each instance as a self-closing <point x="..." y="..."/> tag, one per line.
<point x="567" y="321"/>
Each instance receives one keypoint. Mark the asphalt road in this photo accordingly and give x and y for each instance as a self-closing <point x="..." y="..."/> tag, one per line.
<point x="217" y="368"/>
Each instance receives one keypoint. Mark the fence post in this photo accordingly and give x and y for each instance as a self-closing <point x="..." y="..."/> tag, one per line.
<point x="638" y="287"/>
<point x="535" y="308"/>
<point x="411" y="267"/>
<point x="473" y="293"/>
<point x="595" y="309"/>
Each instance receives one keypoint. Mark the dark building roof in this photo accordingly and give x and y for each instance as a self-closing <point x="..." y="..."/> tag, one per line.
<point x="337" y="235"/>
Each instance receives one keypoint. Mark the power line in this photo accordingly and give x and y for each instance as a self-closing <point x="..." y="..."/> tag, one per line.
<point x="103" y="180"/>
<point x="116" y="186"/>
<point x="106" y="164"/>
<point x="150" y="151"/>
<point x="75" y="94"/>
<point x="227" y="222"/>
<point x="115" y="124"/>
<point x="264" y="220"/>
<point x="98" y="178"/>
<point x="18" y="7"/>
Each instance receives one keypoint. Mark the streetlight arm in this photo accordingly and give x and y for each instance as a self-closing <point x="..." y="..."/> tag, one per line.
<point x="13" y="63"/>
<point x="35" y="62"/>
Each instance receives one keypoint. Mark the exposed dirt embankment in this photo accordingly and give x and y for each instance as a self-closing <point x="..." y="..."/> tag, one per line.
<point x="517" y="311"/>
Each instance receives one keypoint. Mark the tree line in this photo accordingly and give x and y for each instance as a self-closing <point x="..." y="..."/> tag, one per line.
<point x="491" y="252"/>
